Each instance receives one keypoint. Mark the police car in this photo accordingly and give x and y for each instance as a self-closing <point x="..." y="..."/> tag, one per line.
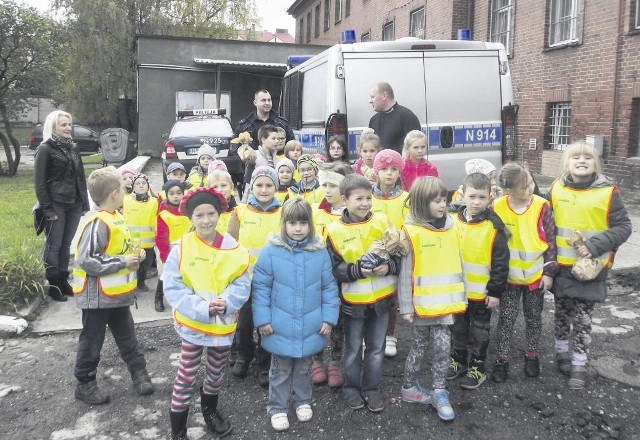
<point x="194" y="128"/>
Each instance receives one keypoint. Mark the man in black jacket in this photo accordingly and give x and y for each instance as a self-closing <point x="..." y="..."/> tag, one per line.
<point x="263" y="115"/>
<point x="392" y="121"/>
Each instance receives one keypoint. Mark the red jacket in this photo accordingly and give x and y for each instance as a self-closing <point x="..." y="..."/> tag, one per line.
<point x="412" y="170"/>
<point x="162" y="231"/>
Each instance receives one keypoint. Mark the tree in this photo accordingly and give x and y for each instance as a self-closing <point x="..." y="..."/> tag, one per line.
<point x="30" y="48"/>
<point x="101" y="68"/>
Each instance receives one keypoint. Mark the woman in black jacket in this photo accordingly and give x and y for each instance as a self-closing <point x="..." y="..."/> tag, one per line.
<point x="61" y="189"/>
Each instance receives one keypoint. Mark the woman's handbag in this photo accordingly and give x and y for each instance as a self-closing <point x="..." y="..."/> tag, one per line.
<point x="38" y="218"/>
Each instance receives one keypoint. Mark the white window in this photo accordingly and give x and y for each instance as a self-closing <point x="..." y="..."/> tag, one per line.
<point x="327" y="13"/>
<point x="416" y="23"/>
<point x="501" y="22"/>
<point x="388" y="32"/>
<point x="560" y="125"/>
<point x="563" y="21"/>
<point x="338" y="11"/>
<point x="637" y="15"/>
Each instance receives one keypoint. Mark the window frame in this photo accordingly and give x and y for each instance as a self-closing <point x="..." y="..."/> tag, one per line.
<point x="347" y="8"/>
<point x="507" y="11"/>
<point x="636" y="18"/>
<point x="560" y="121"/>
<point x="573" y="20"/>
<point x="301" y="30"/>
<point x="316" y="21"/>
<point x="327" y="14"/>
<point x="338" y="11"/>
<point x="365" y="37"/>
<point x="387" y="25"/>
<point x="411" y="23"/>
<point x="309" y="16"/>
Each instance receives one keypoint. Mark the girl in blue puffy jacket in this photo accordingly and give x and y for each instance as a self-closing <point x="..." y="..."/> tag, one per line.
<point x="295" y="306"/>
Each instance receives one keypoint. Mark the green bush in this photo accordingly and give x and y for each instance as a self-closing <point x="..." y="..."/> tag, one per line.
<point x="21" y="275"/>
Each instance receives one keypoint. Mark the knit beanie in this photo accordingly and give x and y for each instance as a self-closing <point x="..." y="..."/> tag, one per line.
<point x="310" y="159"/>
<point x="126" y="170"/>
<point x="140" y="176"/>
<point x="206" y="149"/>
<point x="285" y="162"/>
<point x="328" y="176"/>
<point x="387" y="158"/>
<point x="170" y="184"/>
<point x="479" y="166"/>
<point x="266" y="171"/>
<point x="201" y="196"/>
<point x="217" y="164"/>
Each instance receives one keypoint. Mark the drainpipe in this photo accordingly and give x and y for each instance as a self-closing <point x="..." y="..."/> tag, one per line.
<point x="616" y="74"/>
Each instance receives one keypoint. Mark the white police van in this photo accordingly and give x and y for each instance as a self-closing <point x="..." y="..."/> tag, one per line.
<point x="460" y="90"/>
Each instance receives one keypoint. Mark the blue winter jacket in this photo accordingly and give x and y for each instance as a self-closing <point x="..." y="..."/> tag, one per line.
<point x="294" y="290"/>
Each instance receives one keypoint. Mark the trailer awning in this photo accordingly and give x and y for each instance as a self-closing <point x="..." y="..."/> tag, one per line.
<point x="242" y="65"/>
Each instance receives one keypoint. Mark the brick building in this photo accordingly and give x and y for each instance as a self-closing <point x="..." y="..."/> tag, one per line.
<point x="575" y="63"/>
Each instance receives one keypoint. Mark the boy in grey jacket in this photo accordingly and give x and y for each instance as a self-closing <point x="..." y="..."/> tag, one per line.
<point x="104" y="279"/>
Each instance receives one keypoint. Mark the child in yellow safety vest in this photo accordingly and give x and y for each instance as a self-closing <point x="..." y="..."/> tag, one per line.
<point x="198" y="174"/>
<point x="206" y="282"/>
<point x="389" y="199"/>
<point x="532" y="265"/>
<point x="430" y="290"/>
<point x="285" y="169"/>
<point x="329" y="210"/>
<point x="308" y="187"/>
<point x="170" y="227"/>
<point x="250" y="224"/>
<point x="104" y="279"/>
<point x="140" y="209"/>
<point x="585" y="200"/>
<point x="485" y="262"/>
<point x="367" y="285"/>
<point x="220" y="180"/>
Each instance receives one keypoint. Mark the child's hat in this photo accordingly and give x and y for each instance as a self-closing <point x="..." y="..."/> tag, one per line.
<point x="140" y="176"/>
<point x="126" y="170"/>
<point x="206" y="149"/>
<point x="319" y="158"/>
<point x="285" y="162"/>
<point x="175" y="166"/>
<point x="387" y="158"/>
<point x="266" y="171"/>
<point x="479" y="166"/>
<point x="170" y="184"/>
<point x="201" y="196"/>
<point x="217" y="164"/>
<point x="310" y="159"/>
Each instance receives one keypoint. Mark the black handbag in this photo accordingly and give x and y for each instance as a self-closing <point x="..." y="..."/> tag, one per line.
<point x="38" y="218"/>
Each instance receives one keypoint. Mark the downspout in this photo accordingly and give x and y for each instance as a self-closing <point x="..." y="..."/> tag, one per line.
<point x="616" y="74"/>
<point x="218" y="91"/>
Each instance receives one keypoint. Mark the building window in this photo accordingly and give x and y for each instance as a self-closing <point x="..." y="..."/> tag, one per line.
<point x="308" y="26"/>
<point x="416" y="23"/>
<point x="365" y="37"/>
<point x="634" y="128"/>
<point x="338" y="11"/>
<point x="559" y="125"/>
<point x="327" y="13"/>
<point x="636" y="22"/>
<point x="347" y="8"/>
<point x="301" y="31"/>
<point x="501" y="22"/>
<point x="388" y="32"/>
<point x="563" y="21"/>
<point x="316" y="23"/>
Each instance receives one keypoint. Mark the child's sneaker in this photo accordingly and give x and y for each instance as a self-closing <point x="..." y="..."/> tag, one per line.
<point x="142" y="382"/>
<point x="531" y="366"/>
<point x="475" y="376"/>
<point x="318" y="373"/>
<point x="440" y="401"/>
<point x="578" y="377"/>
<point x="500" y="371"/>
<point x="563" y="361"/>
<point x="280" y="422"/>
<point x="336" y="379"/>
<point x="416" y="394"/>
<point x="304" y="413"/>
<point x="391" y="349"/>
<point x="90" y="394"/>
<point x="456" y="369"/>
<point x="374" y="402"/>
<point x="354" y="401"/>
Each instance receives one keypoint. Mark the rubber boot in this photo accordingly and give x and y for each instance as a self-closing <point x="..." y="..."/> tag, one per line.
<point x="54" y="291"/>
<point x="179" y="424"/>
<point x="159" y="303"/>
<point x="215" y="421"/>
<point x="64" y="284"/>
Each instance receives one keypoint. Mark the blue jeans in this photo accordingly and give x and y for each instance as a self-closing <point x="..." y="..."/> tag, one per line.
<point x="288" y="377"/>
<point x="363" y="376"/>
<point x="59" y="235"/>
<point x="94" y="327"/>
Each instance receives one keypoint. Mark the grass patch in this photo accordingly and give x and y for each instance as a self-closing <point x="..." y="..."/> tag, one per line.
<point x="21" y="133"/>
<point x="93" y="159"/>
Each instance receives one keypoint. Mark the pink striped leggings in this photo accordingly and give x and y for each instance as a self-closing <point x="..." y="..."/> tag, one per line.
<point x="190" y="359"/>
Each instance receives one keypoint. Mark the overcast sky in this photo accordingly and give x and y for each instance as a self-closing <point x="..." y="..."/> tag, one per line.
<point x="272" y="13"/>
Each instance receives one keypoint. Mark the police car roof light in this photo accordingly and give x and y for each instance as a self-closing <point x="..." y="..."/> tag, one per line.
<point x="202" y="112"/>
<point x="296" y="60"/>
<point x="348" y="36"/>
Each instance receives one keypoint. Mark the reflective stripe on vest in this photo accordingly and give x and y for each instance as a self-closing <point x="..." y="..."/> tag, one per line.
<point x="585" y="210"/>
<point x="351" y="240"/>
<point x="394" y="208"/>
<point x="476" y="248"/>
<point x="178" y="225"/>
<point x="525" y="245"/>
<point x="141" y="219"/>
<point x="438" y="285"/>
<point x="255" y="226"/>
<point x="208" y="271"/>
<point x="123" y="281"/>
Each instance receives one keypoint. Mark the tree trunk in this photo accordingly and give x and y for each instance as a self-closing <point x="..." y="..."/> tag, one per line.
<point x="12" y="160"/>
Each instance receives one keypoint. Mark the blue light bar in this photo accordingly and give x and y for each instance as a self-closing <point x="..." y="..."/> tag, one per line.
<point x="296" y="60"/>
<point x="348" y="36"/>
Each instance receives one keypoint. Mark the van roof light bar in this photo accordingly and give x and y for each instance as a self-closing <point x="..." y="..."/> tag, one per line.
<point x="202" y="112"/>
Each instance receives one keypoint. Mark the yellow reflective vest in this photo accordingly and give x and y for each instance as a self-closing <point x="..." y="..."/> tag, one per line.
<point x="141" y="219"/>
<point x="197" y="180"/>
<point x="394" y="208"/>
<point x="351" y="240"/>
<point x="585" y="210"/>
<point x="313" y="196"/>
<point x="526" y="248"/>
<point x="476" y="250"/>
<point x="123" y="281"/>
<point x="438" y="286"/>
<point x="322" y="218"/>
<point x="208" y="271"/>
<point x="255" y="226"/>
<point x="178" y="225"/>
<point x="223" y="222"/>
